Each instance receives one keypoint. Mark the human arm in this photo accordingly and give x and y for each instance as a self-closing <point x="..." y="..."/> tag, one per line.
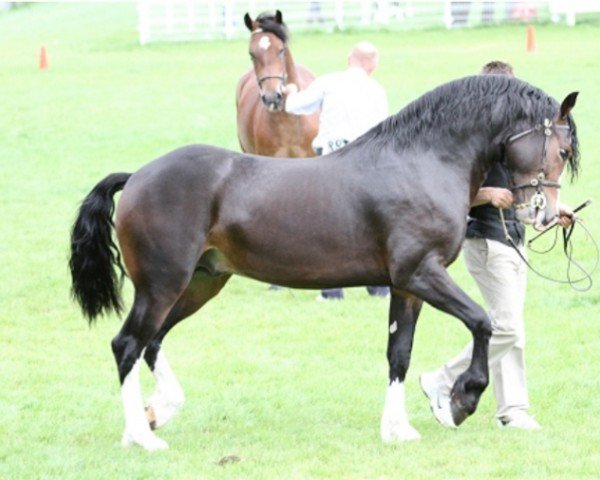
<point x="305" y="101"/>
<point x="498" y="197"/>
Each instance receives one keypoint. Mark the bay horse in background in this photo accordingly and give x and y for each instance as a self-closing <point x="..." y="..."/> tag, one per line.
<point x="263" y="126"/>
<point x="389" y="208"/>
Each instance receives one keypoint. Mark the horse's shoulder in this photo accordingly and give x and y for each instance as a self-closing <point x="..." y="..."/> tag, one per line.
<point x="243" y="81"/>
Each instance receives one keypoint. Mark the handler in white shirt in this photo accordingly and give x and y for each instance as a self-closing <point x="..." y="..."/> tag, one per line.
<point x="351" y="102"/>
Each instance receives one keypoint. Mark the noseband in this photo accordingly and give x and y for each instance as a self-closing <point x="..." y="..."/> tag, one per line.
<point x="538" y="200"/>
<point x="281" y="77"/>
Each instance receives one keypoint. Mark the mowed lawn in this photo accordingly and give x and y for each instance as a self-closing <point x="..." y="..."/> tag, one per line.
<point x="293" y="387"/>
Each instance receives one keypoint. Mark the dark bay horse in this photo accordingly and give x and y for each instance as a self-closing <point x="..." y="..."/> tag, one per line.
<point x="263" y="127"/>
<point x="388" y="209"/>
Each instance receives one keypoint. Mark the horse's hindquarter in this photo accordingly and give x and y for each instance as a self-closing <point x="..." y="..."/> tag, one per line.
<point x="165" y="210"/>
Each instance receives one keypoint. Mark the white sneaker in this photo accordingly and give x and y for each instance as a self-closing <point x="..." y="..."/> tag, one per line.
<point x="439" y="400"/>
<point x="519" y="419"/>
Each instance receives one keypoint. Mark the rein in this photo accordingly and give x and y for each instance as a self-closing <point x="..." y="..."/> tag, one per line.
<point x="567" y="249"/>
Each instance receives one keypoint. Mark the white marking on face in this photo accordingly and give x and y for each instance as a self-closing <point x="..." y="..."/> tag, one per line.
<point x="264" y="42"/>
<point x="393" y="328"/>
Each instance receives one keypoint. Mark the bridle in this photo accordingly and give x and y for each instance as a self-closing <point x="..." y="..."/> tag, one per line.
<point x="538" y="201"/>
<point x="260" y="80"/>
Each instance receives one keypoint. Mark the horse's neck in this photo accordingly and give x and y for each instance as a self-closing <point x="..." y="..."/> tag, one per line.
<point x="290" y="67"/>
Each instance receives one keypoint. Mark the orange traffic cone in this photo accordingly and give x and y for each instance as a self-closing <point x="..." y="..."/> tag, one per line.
<point x="530" y="38"/>
<point x="43" y="58"/>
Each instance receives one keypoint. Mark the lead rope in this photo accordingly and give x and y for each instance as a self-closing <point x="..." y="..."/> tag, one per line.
<point x="568" y="250"/>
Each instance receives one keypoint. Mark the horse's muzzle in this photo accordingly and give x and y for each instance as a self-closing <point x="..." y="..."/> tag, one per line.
<point x="540" y="219"/>
<point x="273" y="101"/>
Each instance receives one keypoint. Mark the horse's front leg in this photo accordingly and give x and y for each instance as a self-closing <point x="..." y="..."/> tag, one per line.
<point x="404" y="311"/>
<point x="433" y="284"/>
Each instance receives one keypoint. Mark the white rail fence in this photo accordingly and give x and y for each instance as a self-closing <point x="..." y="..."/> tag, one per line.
<point x="192" y="20"/>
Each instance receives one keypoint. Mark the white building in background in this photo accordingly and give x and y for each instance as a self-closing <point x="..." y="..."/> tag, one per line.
<point x="193" y="20"/>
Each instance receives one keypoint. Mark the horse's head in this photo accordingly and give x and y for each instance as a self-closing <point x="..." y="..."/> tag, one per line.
<point x="268" y="50"/>
<point x="537" y="157"/>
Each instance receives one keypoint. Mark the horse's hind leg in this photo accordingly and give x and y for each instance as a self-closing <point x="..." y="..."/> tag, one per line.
<point x="168" y="397"/>
<point x="433" y="284"/>
<point x="404" y="311"/>
<point x="143" y="322"/>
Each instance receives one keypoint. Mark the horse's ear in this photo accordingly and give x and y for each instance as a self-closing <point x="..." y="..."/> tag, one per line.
<point x="568" y="104"/>
<point x="278" y="16"/>
<point x="248" y="21"/>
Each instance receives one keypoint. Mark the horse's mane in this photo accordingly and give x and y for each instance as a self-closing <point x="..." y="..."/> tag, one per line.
<point x="480" y="101"/>
<point x="267" y="22"/>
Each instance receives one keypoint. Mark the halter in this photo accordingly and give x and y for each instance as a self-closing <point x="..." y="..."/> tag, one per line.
<point x="538" y="201"/>
<point x="281" y="77"/>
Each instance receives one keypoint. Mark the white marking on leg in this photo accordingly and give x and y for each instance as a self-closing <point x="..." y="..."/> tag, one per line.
<point x="137" y="430"/>
<point x="264" y="42"/>
<point x="168" y="396"/>
<point x="394" y="421"/>
<point x="393" y="328"/>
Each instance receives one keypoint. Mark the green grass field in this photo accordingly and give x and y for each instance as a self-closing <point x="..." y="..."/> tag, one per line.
<point x="292" y="386"/>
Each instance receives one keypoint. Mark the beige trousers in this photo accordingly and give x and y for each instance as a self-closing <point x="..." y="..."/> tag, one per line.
<point x="501" y="276"/>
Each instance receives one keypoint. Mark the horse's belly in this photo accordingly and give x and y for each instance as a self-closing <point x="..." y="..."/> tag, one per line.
<point x="294" y="266"/>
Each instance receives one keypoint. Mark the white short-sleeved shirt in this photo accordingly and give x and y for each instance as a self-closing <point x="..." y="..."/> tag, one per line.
<point x="351" y="103"/>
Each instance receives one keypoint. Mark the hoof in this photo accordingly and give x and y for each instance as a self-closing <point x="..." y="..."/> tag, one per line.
<point x="149" y="442"/>
<point x="458" y="411"/>
<point x="405" y="432"/>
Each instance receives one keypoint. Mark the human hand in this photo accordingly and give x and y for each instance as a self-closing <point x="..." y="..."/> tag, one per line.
<point x="565" y="216"/>
<point x="500" y="197"/>
<point x="290" y="88"/>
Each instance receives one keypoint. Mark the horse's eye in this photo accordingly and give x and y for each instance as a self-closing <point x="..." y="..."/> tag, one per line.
<point x="282" y="52"/>
<point x="252" y="57"/>
<point x="563" y="154"/>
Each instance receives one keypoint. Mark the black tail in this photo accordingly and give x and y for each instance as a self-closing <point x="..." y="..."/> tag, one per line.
<point x="96" y="286"/>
